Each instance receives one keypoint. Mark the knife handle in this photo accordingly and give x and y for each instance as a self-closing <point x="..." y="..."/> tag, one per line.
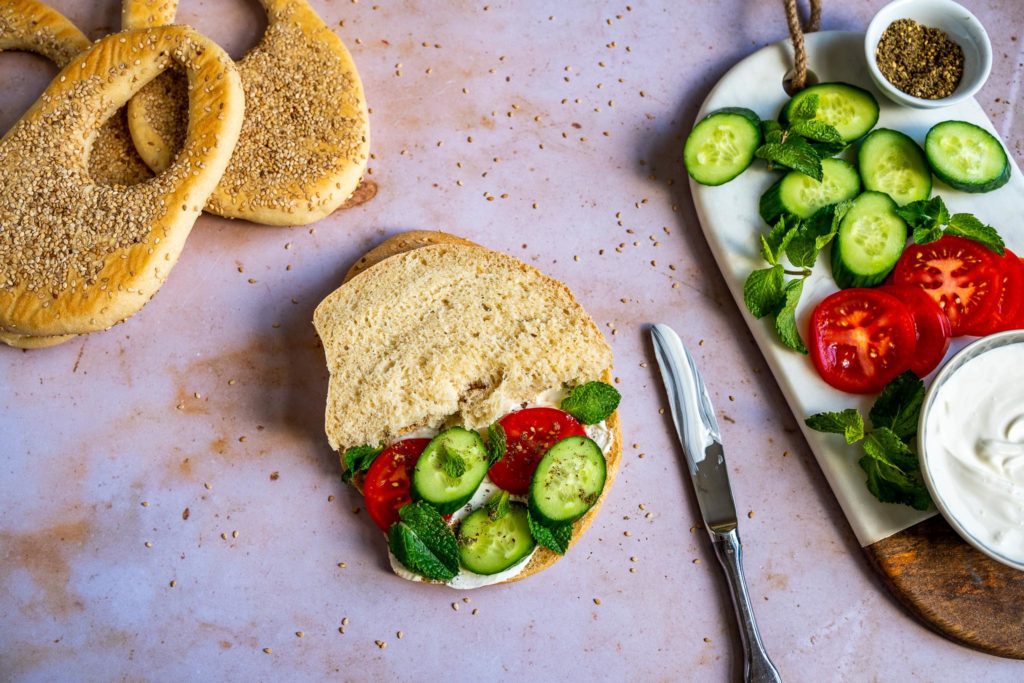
<point x="757" y="667"/>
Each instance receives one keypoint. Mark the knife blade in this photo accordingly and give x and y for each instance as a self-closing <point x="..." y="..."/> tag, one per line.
<point x="701" y="441"/>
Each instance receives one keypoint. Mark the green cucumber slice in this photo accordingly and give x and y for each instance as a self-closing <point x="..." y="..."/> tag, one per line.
<point x="439" y="480"/>
<point x="489" y="546"/>
<point x="796" y="195"/>
<point x="892" y="163"/>
<point x="966" y="157"/>
<point x="871" y="239"/>
<point x="722" y="145"/>
<point x="568" y="481"/>
<point x="851" y="110"/>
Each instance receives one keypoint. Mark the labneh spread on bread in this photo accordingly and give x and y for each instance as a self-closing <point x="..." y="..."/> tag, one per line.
<point x="470" y="402"/>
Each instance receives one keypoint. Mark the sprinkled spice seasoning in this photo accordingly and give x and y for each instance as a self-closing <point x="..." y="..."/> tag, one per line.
<point x="921" y="61"/>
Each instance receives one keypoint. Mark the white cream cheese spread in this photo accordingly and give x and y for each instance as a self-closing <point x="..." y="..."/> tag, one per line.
<point x="974" y="437"/>
<point x="602" y="435"/>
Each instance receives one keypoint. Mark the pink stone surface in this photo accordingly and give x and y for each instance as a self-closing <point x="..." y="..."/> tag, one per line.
<point x="210" y="400"/>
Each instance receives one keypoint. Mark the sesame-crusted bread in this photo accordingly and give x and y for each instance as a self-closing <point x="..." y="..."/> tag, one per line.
<point x="429" y="325"/>
<point x="34" y="26"/>
<point x="305" y="139"/>
<point x="77" y="256"/>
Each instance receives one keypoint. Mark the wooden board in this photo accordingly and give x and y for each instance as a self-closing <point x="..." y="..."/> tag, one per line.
<point x="952" y="587"/>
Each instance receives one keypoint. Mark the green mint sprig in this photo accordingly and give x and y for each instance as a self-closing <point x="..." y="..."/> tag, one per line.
<point x="497" y="444"/>
<point x="554" y="538"/>
<point x="929" y="220"/>
<point x="452" y="462"/>
<point x="892" y="468"/>
<point x="803" y="144"/>
<point x="358" y="459"/>
<point x="591" y="402"/>
<point x="767" y="292"/>
<point x="424" y="543"/>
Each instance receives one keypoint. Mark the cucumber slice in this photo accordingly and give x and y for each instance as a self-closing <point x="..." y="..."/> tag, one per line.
<point x="966" y="157"/>
<point x="489" y="546"/>
<point x="871" y="239"/>
<point x="435" y="478"/>
<point x="892" y="163"/>
<point x="722" y="145"/>
<point x="851" y="110"/>
<point x="568" y="481"/>
<point x="796" y="195"/>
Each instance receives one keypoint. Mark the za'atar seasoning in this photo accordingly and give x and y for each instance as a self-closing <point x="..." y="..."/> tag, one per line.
<point x="920" y="61"/>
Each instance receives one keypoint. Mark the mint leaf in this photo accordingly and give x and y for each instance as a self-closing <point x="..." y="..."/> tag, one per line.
<point x="785" y="321"/>
<point x="827" y="150"/>
<point x="967" y="225"/>
<point x="848" y="422"/>
<point x="452" y="462"/>
<point x="591" y="402"/>
<point x="805" y="109"/>
<point x="498" y="506"/>
<point x="892" y="471"/>
<point x="496" y="444"/>
<point x="771" y="128"/>
<point x="763" y="292"/>
<point x="775" y="243"/>
<point x="924" y="215"/>
<point x="554" y="538"/>
<point x="424" y="543"/>
<point x="358" y="459"/>
<point x="817" y="130"/>
<point x="926" y="235"/>
<point x="792" y="151"/>
<point x="412" y="552"/>
<point x="815" y="233"/>
<point x="898" y="407"/>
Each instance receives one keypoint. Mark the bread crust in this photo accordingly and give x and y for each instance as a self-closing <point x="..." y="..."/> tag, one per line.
<point x="542" y="558"/>
<point x="87" y="296"/>
<point x="269" y="180"/>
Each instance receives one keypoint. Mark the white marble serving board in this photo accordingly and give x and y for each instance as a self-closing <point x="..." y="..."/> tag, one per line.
<point x="729" y="217"/>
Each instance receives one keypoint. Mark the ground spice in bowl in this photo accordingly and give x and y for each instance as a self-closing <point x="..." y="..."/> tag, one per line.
<point x="921" y="61"/>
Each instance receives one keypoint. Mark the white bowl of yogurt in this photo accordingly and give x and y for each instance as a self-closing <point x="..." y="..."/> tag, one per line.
<point x="971" y="441"/>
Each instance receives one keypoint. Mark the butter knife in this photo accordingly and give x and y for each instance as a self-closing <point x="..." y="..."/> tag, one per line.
<point x="698" y="432"/>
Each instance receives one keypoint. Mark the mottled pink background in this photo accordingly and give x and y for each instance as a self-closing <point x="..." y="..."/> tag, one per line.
<point x="578" y="110"/>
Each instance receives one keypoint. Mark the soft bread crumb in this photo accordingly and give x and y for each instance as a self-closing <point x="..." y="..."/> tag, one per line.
<point x="448" y="330"/>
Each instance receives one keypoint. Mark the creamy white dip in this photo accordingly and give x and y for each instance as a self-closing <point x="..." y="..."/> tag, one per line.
<point x="602" y="435"/>
<point x="975" y="448"/>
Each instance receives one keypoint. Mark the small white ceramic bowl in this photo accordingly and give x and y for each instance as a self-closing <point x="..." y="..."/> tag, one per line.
<point x="943" y="488"/>
<point x="946" y="15"/>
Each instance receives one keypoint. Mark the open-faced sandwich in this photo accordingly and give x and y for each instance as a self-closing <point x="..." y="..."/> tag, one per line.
<point x="470" y="402"/>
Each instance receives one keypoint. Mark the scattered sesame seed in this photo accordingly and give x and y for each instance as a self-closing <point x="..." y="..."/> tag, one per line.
<point x="597" y="601"/>
<point x="455" y="606"/>
<point x="267" y="650"/>
<point x="381" y="644"/>
<point x="344" y="621"/>
<point x="173" y="583"/>
<point x="399" y="635"/>
<point x="148" y="544"/>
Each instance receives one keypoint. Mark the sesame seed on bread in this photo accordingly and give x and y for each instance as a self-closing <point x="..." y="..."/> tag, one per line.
<point x="305" y="139"/>
<point x="80" y="256"/>
<point x="428" y="326"/>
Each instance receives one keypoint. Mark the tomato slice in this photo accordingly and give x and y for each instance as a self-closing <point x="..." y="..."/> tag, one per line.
<point x="861" y="339"/>
<point x="1010" y="302"/>
<point x="959" y="274"/>
<point x="932" y="325"/>
<point x="386" y="486"/>
<point x="529" y="434"/>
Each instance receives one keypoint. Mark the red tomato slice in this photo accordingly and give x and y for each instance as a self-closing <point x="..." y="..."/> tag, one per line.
<point x="932" y="325"/>
<point x="959" y="274"/>
<point x="861" y="339"/>
<point x="528" y="436"/>
<point x="386" y="487"/>
<point x="1011" y="297"/>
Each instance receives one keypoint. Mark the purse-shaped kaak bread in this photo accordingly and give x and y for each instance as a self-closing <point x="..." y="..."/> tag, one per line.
<point x="428" y="326"/>
<point x="305" y="140"/>
<point x="79" y="256"/>
<point x="34" y="26"/>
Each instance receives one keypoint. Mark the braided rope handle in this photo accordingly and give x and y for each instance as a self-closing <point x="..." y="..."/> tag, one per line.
<point x="796" y="32"/>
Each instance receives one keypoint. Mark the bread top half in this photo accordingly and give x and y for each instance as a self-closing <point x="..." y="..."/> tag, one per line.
<point x="448" y="331"/>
